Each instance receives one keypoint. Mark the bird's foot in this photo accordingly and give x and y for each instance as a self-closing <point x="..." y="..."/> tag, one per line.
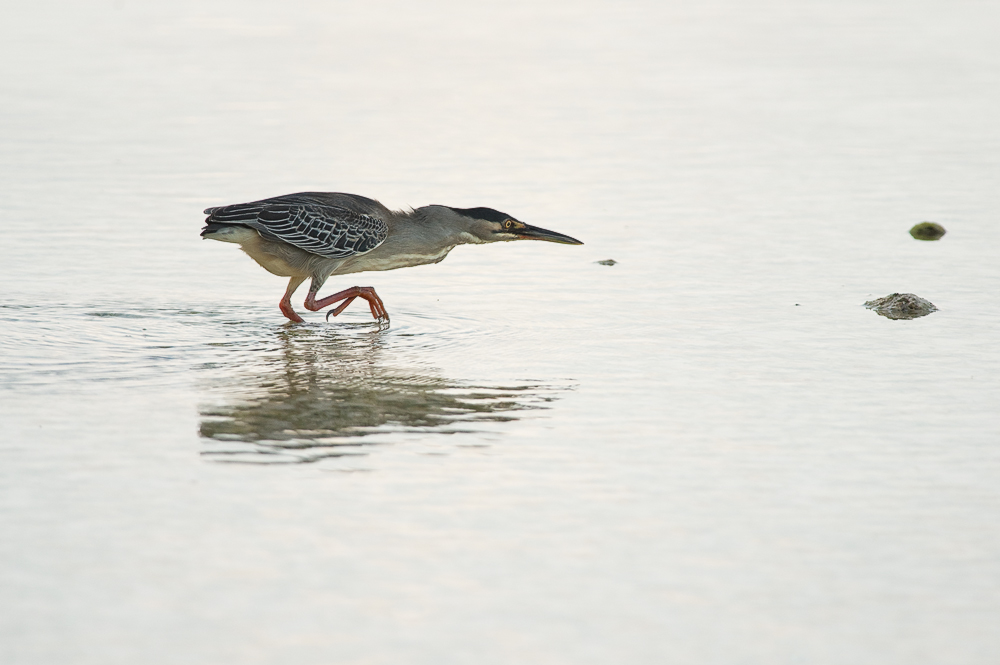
<point x="348" y="296"/>
<point x="382" y="321"/>
<point x="286" y="309"/>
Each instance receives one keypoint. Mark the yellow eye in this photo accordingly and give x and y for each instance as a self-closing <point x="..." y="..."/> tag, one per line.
<point x="507" y="224"/>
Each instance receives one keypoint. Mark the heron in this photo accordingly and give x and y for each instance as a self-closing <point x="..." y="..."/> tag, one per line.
<point x="315" y="235"/>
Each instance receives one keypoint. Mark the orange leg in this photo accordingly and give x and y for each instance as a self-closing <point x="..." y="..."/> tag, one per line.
<point x="286" y="300"/>
<point x="348" y="296"/>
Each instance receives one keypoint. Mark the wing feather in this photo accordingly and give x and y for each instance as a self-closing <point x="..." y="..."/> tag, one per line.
<point x="309" y="223"/>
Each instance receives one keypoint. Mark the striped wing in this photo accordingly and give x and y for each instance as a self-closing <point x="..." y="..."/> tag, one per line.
<point x="331" y="231"/>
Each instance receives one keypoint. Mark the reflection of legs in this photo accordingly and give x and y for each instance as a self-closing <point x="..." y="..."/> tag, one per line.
<point x="348" y="296"/>
<point x="286" y="301"/>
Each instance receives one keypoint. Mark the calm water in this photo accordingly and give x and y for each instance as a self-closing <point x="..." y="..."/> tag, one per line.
<point x="710" y="452"/>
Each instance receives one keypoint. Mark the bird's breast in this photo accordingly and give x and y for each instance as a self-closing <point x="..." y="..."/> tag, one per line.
<point x="391" y="261"/>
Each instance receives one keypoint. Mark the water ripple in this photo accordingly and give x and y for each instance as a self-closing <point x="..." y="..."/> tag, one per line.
<point x="272" y="392"/>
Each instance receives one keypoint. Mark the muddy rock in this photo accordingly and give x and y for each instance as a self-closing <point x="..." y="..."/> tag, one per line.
<point x="901" y="306"/>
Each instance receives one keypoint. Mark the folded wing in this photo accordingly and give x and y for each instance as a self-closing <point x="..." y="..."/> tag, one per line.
<point x="327" y="230"/>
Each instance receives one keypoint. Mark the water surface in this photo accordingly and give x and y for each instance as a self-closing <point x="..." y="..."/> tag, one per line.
<point x="707" y="452"/>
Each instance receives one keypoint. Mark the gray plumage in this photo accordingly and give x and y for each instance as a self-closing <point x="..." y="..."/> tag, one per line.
<point x="331" y="225"/>
<point x="318" y="234"/>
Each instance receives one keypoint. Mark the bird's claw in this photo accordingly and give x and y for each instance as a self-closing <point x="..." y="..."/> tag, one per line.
<point x="374" y="303"/>
<point x="382" y="319"/>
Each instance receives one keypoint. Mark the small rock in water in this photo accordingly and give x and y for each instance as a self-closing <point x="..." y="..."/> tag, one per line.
<point x="607" y="262"/>
<point x="927" y="231"/>
<point x="901" y="306"/>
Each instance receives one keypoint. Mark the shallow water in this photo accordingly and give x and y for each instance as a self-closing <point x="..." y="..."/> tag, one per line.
<point x="707" y="452"/>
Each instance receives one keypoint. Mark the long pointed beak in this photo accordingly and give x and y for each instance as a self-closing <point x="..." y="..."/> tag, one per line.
<point x="534" y="233"/>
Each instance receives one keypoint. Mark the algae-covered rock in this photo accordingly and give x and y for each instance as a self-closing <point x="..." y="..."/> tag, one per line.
<point x="901" y="306"/>
<point x="927" y="231"/>
<point x="606" y="262"/>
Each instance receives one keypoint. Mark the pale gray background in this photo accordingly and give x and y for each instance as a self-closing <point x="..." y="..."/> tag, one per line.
<point x="735" y="462"/>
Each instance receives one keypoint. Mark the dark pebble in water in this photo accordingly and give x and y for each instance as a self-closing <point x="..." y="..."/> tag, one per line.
<point x="607" y="262"/>
<point x="927" y="231"/>
<point x="901" y="306"/>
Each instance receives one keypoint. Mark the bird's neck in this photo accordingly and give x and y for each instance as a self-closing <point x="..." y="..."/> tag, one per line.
<point x="440" y="226"/>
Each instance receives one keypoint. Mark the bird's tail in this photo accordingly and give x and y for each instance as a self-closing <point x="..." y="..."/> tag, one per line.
<point x="225" y="232"/>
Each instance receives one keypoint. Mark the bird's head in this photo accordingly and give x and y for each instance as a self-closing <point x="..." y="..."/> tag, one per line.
<point x="489" y="225"/>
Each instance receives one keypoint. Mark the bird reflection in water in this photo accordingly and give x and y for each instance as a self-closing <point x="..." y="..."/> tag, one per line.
<point x="328" y="392"/>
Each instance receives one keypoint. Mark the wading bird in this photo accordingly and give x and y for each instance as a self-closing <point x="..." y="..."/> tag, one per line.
<point x="318" y="234"/>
